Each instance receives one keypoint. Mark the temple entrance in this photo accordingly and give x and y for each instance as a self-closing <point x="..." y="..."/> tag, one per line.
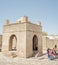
<point x="35" y="43"/>
<point x="35" y="46"/>
<point x="12" y="43"/>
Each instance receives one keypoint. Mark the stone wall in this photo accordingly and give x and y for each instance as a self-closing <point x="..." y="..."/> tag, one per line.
<point x="24" y="31"/>
<point x="49" y="42"/>
<point x="0" y="42"/>
<point x="33" y="29"/>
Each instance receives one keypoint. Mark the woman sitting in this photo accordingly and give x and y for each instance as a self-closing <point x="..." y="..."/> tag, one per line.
<point x="51" y="55"/>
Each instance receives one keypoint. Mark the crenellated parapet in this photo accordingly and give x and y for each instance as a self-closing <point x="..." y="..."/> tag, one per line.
<point x="23" y="19"/>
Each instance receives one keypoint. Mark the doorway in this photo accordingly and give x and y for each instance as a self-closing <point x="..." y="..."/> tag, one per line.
<point x="35" y="43"/>
<point x="12" y="43"/>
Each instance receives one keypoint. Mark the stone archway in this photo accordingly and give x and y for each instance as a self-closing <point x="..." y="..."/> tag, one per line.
<point x="35" y="43"/>
<point x="12" y="43"/>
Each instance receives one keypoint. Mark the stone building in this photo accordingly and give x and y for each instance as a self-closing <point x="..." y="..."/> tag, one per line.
<point x="49" y="41"/>
<point x="22" y="36"/>
<point x="0" y="42"/>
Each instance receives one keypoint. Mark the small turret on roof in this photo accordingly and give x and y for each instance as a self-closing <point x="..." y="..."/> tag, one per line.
<point x="7" y="22"/>
<point x="38" y="23"/>
<point x="22" y="19"/>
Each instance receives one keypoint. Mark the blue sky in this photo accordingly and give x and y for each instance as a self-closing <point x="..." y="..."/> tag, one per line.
<point x="45" y="11"/>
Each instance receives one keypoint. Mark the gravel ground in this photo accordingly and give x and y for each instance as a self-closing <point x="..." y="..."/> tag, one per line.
<point x="43" y="60"/>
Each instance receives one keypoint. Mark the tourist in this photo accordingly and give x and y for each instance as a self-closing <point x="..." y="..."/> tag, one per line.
<point x="55" y="51"/>
<point x="51" y="56"/>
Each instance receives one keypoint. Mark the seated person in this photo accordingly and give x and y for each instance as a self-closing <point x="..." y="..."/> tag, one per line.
<point x="51" y="55"/>
<point x="55" y="50"/>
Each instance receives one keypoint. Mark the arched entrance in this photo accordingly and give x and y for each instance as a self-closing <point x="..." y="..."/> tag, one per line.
<point x="35" y="43"/>
<point x="12" y="43"/>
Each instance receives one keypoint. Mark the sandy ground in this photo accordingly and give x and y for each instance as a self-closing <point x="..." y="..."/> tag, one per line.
<point x="43" y="60"/>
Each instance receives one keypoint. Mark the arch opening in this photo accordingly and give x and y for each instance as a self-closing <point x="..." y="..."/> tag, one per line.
<point x="12" y="43"/>
<point x="35" y="43"/>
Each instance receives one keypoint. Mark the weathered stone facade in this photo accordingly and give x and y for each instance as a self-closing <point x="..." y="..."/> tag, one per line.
<point x="49" y="41"/>
<point x="22" y="36"/>
<point x="25" y="38"/>
<point x="0" y="42"/>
